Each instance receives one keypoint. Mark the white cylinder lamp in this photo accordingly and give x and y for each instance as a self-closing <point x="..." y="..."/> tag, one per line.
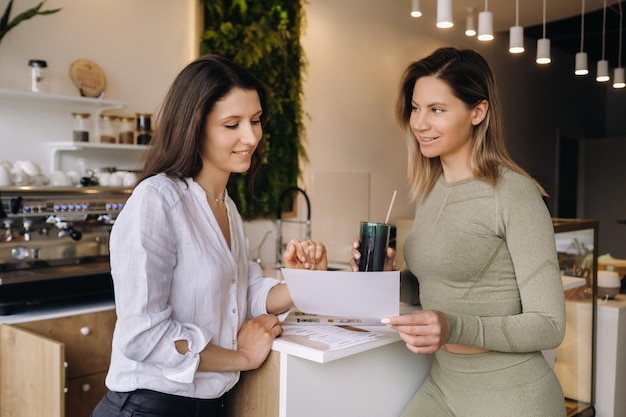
<point x="602" y="74"/>
<point x="581" y="64"/>
<point x="470" y="30"/>
<point x="485" y="26"/>
<point x="618" y="78"/>
<point x="543" y="51"/>
<point x="516" y="39"/>
<point x="444" y="14"/>
<point x="416" y="10"/>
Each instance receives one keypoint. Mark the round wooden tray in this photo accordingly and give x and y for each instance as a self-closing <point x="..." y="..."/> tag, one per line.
<point x="88" y="77"/>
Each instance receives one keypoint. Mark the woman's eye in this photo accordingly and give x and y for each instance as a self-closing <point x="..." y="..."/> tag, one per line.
<point x="256" y="122"/>
<point x="231" y="126"/>
<point x="414" y="108"/>
<point x="437" y="110"/>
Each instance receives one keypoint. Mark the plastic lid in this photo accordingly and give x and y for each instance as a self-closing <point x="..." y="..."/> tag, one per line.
<point x="37" y="63"/>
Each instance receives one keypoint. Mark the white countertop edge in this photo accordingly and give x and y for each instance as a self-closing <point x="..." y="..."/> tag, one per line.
<point x="320" y="356"/>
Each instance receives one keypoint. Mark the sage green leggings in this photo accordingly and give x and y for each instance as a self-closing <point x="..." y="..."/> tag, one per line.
<point x="492" y="384"/>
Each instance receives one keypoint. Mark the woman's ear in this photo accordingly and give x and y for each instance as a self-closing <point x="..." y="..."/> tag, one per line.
<point x="480" y="112"/>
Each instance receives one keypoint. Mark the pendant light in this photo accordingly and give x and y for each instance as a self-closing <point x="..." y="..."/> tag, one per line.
<point x="485" y="24"/>
<point x="470" y="28"/>
<point x="416" y="10"/>
<point x="581" y="57"/>
<point x="444" y="14"/>
<point x="602" y="74"/>
<point x="618" y="73"/>
<point x="543" y="44"/>
<point x="516" y="34"/>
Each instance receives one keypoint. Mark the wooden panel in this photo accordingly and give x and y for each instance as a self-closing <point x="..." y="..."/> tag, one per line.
<point x="31" y="376"/>
<point x="85" y="353"/>
<point x="83" y="394"/>
<point x="257" y="392"/>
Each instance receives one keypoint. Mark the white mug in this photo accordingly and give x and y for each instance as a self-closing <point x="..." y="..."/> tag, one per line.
<point x="116" y="179"/>
<point x="29" y="167"/>
<point x="130" y="178"/>
<point x="60" y="179"/>
<point x="19" y="177"/>
<point x="5" y="176"/>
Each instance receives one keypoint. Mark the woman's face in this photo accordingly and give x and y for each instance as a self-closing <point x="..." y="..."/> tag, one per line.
<point x="233" y="131"/>
<point x="441" y="122"/>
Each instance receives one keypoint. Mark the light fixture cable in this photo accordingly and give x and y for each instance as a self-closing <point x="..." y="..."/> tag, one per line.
<point x="516" y="34"/>
<point x="581" y="67"/>
<point x="603" y="65"/>
<point x="543" y="44"/>
<point x="618" y="73"/>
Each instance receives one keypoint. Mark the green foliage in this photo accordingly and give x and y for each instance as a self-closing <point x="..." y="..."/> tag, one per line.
<point x="6" y="25"/>
<point x="264" y="36"/>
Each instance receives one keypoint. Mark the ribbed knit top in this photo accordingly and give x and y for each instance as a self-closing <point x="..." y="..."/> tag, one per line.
<point x="486" y="256"/>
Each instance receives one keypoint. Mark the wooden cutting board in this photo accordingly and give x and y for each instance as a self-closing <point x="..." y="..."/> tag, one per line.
<point x="88" y="77"/>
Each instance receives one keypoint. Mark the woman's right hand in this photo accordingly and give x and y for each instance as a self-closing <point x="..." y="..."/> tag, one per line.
<point x="356" y="255"/>
<point x="255" y="339"/>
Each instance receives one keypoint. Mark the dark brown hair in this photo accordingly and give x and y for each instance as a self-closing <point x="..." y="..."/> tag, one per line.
<point x="471" y="80"/>
<point x="178" y="139"/>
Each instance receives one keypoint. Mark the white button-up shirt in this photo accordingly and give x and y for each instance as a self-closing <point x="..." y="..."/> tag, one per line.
<point x="175" y="278"/>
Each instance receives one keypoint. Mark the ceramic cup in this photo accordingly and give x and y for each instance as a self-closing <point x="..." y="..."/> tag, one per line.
<point x="74" y="176"/>
<point x="19" y="177"/>
<point x="29" y="167"/>
<point x="104" y="178"/>
<point x="129" y="180"/>
<point x="116" y="179"/>
<point x="5" y="176"/>
<point x="60" y="179"/>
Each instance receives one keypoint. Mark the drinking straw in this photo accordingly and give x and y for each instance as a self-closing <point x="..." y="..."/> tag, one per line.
<point x="391" y="205"/>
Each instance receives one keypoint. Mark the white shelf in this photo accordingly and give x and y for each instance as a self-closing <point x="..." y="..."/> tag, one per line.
<point x="56" y="99"/>
<point x="77" y="146"/>
<point x="58" y="147"/>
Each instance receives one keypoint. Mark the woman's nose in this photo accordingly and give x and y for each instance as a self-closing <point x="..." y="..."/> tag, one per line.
<point x="251" y="134"/>
<point x="418" y="121"/>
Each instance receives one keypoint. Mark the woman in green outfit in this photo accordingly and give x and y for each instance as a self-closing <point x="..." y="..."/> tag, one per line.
<point x="481" y="256"/>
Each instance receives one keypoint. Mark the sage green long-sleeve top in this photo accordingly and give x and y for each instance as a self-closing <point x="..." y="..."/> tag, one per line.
<point x="487" y="257"/>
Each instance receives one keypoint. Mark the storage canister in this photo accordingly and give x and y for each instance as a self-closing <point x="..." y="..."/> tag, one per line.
<point x="81" y="127"/>
<point x="144" y="128"/>
<point x="107" y="129"/>
<point x="127" y="130"/>
<point x="38" y="79"/>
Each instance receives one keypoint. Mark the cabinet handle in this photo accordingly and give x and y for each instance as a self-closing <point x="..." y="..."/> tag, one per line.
<point x="85" y="331"/>
<point x="85" y="387"/>
<point x="65" y="377"/>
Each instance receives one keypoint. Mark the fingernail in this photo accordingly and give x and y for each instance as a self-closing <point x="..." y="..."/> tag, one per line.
<point x="385" y="321"/>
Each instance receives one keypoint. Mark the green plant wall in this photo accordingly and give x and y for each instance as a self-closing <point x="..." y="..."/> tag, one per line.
<point x="264" y="36"/>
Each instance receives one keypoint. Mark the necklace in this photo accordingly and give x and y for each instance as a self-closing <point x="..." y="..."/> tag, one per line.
<point x="217" y="200"/>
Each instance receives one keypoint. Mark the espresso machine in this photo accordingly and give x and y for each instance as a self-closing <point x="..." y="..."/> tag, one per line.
<point x="54" y="244"/>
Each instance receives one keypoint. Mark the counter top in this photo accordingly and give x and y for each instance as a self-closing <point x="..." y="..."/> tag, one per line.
<point x="47" y="311"/>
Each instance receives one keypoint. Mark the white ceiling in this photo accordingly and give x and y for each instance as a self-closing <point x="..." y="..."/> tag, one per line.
<point x="531" y="11"/>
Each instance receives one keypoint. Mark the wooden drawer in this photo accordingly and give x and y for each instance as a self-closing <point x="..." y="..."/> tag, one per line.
<point x="87" y="339"/>
<point x="83" y="394"/>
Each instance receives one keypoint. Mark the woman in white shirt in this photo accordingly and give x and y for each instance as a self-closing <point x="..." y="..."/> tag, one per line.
<point x="192" y="311"/>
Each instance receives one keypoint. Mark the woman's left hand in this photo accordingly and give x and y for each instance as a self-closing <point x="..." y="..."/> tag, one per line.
<point x="424" y="331"/>
<point x="305" y="254"/>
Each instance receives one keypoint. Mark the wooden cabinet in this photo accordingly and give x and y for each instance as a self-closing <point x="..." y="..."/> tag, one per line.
<point x="55" y="367"/>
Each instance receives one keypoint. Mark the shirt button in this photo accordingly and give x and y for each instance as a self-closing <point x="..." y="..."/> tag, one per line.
<point x="234" y="311"/>
<point x="234" y="281"/>
<point x="234" y="342"/>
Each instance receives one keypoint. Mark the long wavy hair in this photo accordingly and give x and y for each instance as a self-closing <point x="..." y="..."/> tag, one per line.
<point x="177" y="143"/>
<point x="471" y="80"/>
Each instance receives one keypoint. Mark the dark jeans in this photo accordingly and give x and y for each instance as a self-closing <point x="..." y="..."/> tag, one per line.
<point x="146" y="403"/>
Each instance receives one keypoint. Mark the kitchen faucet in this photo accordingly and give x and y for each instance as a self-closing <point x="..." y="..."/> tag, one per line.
<point x="279" y="232"/>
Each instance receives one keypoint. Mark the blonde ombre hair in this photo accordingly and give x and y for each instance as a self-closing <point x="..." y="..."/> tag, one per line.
<point x="471" y="79"/>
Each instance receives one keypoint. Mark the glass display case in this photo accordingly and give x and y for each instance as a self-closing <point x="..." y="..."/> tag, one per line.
<point x="574" y="363"/>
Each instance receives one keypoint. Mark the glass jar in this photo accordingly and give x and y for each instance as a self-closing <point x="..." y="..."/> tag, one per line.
<point x="38" y="79"/>
<point x="144" y="128"/>
<point x="127" y="130"/>
<point x="81" y="127"/>
<point x="107" y="129"/>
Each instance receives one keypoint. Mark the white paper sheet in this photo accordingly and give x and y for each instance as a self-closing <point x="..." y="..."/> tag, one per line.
<point x="364" y="295"/>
